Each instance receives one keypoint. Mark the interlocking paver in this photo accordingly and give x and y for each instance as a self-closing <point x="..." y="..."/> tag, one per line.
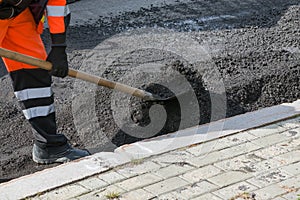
<point x="234" y="190"/>
<point x="201" y="173"/>
<point x="207" y="147"/>
<point x="242" y="163"/>
<point x="170" y="196"/>
<point x="249" y="163"/>
<point x="229" y="178"/>
<point x="210" y="158"/>
<point x="291" y="145"/>
<point x="292" y="182"/>
<point x="279" y="198"/>
<point x="92" y="183"/>
<point x="293" y="169"/>
<point x="138" y="169"/>
<point x="272" y="151"/>
<point x="269" y="192"/>
<point x="111" y="177"/>
<point x="173" y="170"/>
<point x="137" y="195"/>
<point x="267" y="130"/>
<point x="207" y="196"/>
<point x="67" y="192"/>
<point x="241" y="149"/>
<point x="266" y="165"/>
<point x="268" y="178"/>
<point x="270" y="140"/>
<point x="238" y="138"/>
<point x="102" y="193"/>
<point x="290" y="124"/>
<point x="191" y="191"/>
<point x="217" y="156"/>
<point x="90" y="196"/>
<point x="293" y="133"/>
<point x="138" y="181"/>
<point x="289" y="157"/>
<point x="179" y="156"/>
<point x="166" y="186"/>
<point x="291" y="195"/>
<point x="222" y="143"/>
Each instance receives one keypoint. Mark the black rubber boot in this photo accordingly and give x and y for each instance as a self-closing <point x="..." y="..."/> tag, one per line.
<point x="60" y="154"/>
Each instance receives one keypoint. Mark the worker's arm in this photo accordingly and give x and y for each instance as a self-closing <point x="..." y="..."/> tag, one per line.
<point x="58" y="16"/>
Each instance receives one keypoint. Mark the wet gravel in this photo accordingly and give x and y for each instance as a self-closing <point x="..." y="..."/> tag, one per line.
<point x="254" y="45"/>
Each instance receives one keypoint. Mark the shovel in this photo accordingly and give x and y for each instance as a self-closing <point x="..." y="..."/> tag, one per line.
<point x="147" y="96"/>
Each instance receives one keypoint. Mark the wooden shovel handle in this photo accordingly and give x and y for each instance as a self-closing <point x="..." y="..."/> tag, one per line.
<point x="76" y="74"/>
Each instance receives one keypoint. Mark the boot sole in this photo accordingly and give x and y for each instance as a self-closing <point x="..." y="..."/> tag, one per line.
<point x="50" y="161"/>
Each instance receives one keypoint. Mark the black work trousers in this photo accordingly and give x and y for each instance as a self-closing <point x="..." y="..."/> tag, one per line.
<point x="33" y="90"/>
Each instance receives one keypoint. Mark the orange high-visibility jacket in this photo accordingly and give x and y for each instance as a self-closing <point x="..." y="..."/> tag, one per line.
<point x="22" y="33"/>
<point x="56" y="11"/>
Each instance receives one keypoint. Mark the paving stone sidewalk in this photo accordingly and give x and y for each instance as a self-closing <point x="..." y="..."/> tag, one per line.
<point x="260" y="164"/>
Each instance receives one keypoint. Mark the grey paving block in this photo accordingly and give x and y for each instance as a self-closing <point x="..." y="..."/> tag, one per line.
<point x="137" y="195"/>
<point x="291" y="145"/>
<point x="244" y="148"/>
<point x="269" y="192"/>
<point x="102" y="193"/>
<point x="270" y="140"/>
<point x="111" y="177"/>
<point x="166" y="186"/>
<point x="266" y="165"/>
<point x="208" y="159"/>
<point x="290" y="157"/>
<point x="66" y="192"/>
<point x="207" y="147"/>
<point x="227" y="153"/>
<point x="201" y="173"/>
<point x="242" y="163"/>
<point x="269" y="178"/>
<point x="172" y="170"/>
<point x="229" y="178"/>
<point x="291" y="195"/>
<point x="249" y="163"/>
<point x="90" y="196"/>
<point x="191" y="191"/>
<point x="178" y="156"/>
<point x="293" y="169"/>
<point x="267" y="130"/>
<point x="92" y="183"/>
<point x="290" y="124"/>
<point x="272" y="151"/>
<point x="280" y="198"/>
<point x="138" y="182"/>
<point x="221" y="143"/>
<point x="137" y="169"/>
<point x="233" y="190"/>
<point x="291" y="182"/>
<point x="169" y="196"/>
<point x="292" y="133"/>
<point x="206" y="197"/>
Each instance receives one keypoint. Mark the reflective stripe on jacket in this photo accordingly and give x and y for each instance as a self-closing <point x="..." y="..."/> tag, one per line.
<point x="56" y="11"/>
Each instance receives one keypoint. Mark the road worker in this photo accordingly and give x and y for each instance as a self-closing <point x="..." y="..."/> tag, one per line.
<point x="21" y="23"/>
